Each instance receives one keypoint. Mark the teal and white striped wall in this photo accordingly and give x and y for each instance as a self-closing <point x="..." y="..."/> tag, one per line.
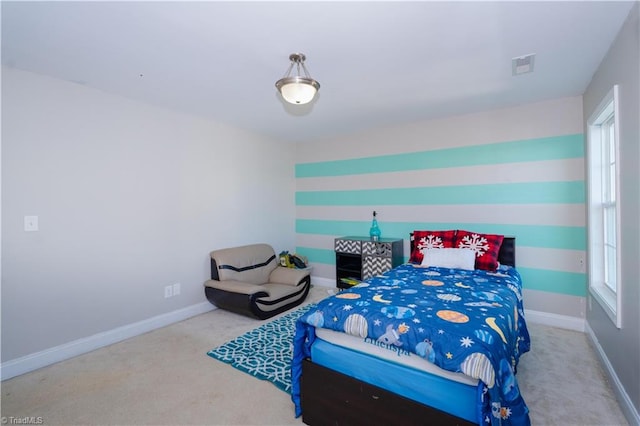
<point x="532" y="188"/>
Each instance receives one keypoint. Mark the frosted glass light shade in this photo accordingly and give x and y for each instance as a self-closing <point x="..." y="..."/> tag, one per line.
<point x="298" y="90"/>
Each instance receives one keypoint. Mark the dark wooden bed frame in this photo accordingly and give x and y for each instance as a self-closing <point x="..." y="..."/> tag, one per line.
<point x="332" y="398"/>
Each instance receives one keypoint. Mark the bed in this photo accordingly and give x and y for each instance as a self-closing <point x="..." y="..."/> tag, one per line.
<point x="425" y="343"/>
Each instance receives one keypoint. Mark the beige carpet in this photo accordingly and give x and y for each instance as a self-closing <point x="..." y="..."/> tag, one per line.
<point x="166" y="378"/>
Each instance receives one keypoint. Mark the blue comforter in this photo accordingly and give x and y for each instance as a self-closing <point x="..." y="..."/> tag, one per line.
<point x="462" y="321"/>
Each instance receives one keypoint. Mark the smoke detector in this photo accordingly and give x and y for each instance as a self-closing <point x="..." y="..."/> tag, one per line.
<point x="522" y="64"/>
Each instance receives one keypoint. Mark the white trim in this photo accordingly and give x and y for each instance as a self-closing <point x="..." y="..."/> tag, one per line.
<point x="603" y="109"/>
<point x="323" y="282"/>
<point x="611" y="304"/>
<point x="625" y="402"/>
<point x="608" y="300"/>
<point x="555" y="320"/>
<point x="31" y="362"/>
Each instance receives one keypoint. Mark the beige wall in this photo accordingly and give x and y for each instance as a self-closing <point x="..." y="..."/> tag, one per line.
<point x="130" y="198"/>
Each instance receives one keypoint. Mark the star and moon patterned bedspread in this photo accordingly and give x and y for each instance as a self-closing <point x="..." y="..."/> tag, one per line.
<point x="463" y="321"/>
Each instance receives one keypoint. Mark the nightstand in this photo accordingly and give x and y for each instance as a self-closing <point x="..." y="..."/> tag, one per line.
<point x="360" y="258"/>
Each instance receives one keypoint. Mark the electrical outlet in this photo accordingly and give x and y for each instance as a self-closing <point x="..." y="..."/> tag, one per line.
<point x="168" y="291"/>
<point x="176" y="289"/>
<point x="30" y="223"/>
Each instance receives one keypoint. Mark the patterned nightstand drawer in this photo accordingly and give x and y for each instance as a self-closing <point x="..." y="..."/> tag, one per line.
<point x="372" y="266"/>
<point x="348" y="246"/>
<point x="376" y="249"/>
<point x="360" y="258"/>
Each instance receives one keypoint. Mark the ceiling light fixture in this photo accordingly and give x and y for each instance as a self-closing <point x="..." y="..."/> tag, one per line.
<point x="297" y="89"/>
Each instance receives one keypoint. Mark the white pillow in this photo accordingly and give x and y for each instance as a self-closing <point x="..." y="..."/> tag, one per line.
<point x="461" y="258"/>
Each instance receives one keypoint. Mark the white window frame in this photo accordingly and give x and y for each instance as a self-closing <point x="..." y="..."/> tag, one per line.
<point x="599" y="198"/>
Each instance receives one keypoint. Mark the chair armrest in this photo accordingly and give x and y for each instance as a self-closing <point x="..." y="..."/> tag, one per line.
<point x="235" y="286"/>
<point x="289" y="276"/>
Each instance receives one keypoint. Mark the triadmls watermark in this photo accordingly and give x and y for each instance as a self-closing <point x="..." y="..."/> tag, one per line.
<point x="26" y="420"/>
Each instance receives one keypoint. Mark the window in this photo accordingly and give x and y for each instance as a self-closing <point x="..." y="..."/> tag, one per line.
<point x="607" y="130"/>
<point x="603" y="211"/>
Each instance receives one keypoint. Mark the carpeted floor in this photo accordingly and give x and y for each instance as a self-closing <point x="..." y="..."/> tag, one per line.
<point x="166" y="378"/>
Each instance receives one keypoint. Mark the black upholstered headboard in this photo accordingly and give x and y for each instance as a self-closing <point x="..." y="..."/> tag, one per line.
<point x="506" y="256"/>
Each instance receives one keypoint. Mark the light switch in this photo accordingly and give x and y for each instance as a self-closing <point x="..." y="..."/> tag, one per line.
<point x="31" y="223"/>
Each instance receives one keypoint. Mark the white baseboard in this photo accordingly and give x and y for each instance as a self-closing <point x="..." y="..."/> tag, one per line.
<point x="323" y="282"/>
<point x="31" y="362"/>
<point x="626" y="405"/>
<point x="555" y="320"/>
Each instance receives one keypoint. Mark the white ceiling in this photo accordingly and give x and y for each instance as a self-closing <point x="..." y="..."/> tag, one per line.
<point x="378" y="63"/>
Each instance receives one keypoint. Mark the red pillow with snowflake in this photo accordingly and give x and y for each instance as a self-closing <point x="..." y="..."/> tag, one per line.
<point x="486" y="246"/>
<point x="430" y="239"/>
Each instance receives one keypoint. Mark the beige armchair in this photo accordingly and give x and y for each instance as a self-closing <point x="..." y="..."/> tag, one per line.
<point x="249" y="280"/>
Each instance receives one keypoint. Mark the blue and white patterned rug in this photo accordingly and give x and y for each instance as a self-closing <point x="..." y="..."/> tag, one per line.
<point x="264" y="352"/>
